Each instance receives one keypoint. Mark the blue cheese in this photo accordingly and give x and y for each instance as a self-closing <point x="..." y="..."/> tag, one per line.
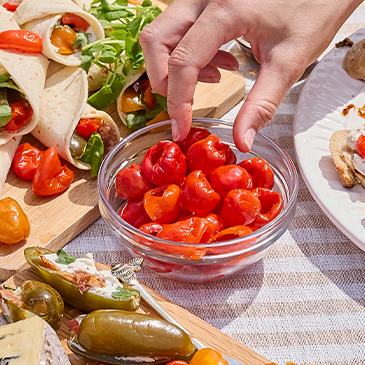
<point x="31" y="341"/>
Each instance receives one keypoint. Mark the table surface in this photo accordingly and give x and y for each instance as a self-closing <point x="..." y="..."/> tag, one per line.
<point x="305" y="300"/>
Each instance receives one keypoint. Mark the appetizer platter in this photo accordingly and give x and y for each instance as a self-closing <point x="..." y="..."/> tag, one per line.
<point x="321" y="111"/>
<point x="196" y="327"/>
<point x="56" y="219"/>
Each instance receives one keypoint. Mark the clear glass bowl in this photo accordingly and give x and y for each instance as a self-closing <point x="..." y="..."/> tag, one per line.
<point x="221" y="258"/>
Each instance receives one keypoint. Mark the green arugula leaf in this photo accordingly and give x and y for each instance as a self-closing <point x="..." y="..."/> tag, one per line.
<point x="122" y="293"/>
<point x="65" y="258"/>
<point x="94" y="153"/>
<point x="161" y="100"/>
<point x="5" y="115"/>
<point x="136" y="120"/>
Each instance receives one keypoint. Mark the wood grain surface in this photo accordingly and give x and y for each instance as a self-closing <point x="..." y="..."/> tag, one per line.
<point x="196" y="327"/>
<point x="58" y="219"/>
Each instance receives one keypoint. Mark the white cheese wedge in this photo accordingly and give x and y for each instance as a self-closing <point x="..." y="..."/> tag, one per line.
<point x="31" y="341"/>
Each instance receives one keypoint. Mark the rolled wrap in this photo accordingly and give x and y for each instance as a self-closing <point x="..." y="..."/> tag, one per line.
<point x="64" y="103"/>
<point x="41" y="16"/>
<point x="28" y="71"/>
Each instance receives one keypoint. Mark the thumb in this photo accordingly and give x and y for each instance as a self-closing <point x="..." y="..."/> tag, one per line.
<point x="261" y="104"/>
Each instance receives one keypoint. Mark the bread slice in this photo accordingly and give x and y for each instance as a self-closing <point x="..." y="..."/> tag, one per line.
<point x="342" y="157"/>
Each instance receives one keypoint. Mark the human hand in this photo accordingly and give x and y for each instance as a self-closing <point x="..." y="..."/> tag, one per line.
<point x="181" y="46"/>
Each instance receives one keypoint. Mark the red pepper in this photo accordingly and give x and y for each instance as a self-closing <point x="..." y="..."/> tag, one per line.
<point x="225" y="178"/>
<point x="232" y="233"/>
<point x="151" y="228"/>
<point x="132" y="183"/>
<point x="133" y="212"/>
<point x="271" y="205"/>
<point x="197" y="195"/>
<point x="260" y="170"/>
<point x="149" y="98"/>
<point x="231" y="158"/>
<point x="87" y="126"/>
<point x="195" y="134"/>
<point x="360" y="145"/>
<point x="214" y="219"/>
<point x="26" y="160"/>
<point x="177" y="362"/>
<point x="21" y="114"/>
<point x="162" y="203"/>
<point x="240" y="207"/>
<point x="206" y="154"/>
<point x="10" y="7"/>
<point x="164" y="163"/>
<point x="51" y="177"/>
<point x="77" y="21"/>
<point x="21" y="40"/>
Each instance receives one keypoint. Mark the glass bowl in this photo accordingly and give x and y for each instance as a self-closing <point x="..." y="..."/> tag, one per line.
<point x="177" y="260"/>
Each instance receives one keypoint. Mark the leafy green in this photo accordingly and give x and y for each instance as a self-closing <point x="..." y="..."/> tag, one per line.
<point x="136" y="120"/>
<point x="8" y="83"/>
<point x="5" y="115"/>
<point x="81" y="39"/>
<point x="65" y="258"/>
<point x="122" y="293"/>
<point x="8" y="287"/>
<point x="94" y="153"/>
<point x="120" y="51"/>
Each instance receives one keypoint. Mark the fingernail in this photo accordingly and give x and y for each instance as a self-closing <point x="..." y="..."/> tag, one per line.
<point x="175" y="130"/>
<point x="249" y="137"/>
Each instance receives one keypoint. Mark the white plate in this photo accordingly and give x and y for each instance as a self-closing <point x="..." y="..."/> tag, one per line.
<point x="326" y="92"/>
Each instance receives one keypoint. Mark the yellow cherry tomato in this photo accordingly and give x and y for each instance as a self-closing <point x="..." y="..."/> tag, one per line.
<point x="208" y="356"/>
<point x="14" y="223"/>
<point x="64" y="38"/>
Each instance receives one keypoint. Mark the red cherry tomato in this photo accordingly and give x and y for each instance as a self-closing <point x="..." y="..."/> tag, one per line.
<point x="132" y="183"/>
<point x="162" y="203"/>
<point x="164" y="163"/>
<point x="87" y="126"/>
<point x="77" y="21"/>
<point x="271" y="205"/>
<point x="21" y="114"/>
<point x="208" y="356"/>
<point x="133" y="212"/>
<point x="195" y="134"/>
<point x="151" y="228"/>
<point x="26" y="160"/>
<point x="360" y="146"/>
<point x="261" y="172"/>
<point x="21" y="40"/>
<point x="240" y="207"/>
<point x="225" y="178"/>
<point x="51" y="177"/>
<point x="149" y="98"/>
<point x="197" y="195"/>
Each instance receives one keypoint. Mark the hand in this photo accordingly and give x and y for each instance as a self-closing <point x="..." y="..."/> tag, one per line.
<point x="181" y="46"/>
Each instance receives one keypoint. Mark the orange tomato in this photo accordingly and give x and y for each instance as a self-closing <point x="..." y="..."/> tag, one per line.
<point x="208" y="356"/>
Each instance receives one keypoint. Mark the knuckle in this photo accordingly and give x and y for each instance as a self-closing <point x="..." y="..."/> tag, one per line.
<point x="266" y="110"/>
<point x="146" y="35"/>
<point x="180" y="57"/>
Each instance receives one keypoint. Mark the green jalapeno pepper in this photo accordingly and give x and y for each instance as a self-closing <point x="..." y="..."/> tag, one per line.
<point x="112" y="335"/>
<point x="33" y="298"/>
<point x="86" y="301"/>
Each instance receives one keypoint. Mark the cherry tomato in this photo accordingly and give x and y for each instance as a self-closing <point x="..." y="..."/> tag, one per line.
<point x="228" y="177"/>
<point x="195" y="134"/>
<point x="151" y="228"/>
<point x="64" y="39"/>
<point x="51" y="177"/>
<point x="21" y="40"/>
<point x="177" y="362"/>
<point x="10" y="7"/>
<point x="208" y="356"/>
<point x="26" y="160"/>
<point x="77" y="21"/>
<point x="162" y="203"/>
<point x="132" y="183"/>
<point x="271" y="205"/>
<point x="260" y="170"/>
<point x="130" y="101"/>
<point x="133" y="212"/>
<point x="21" y="114"/>
<point x="149" y="98"/>
<point x="240" y="207"/>
<point x="164" y="163"/>
<point x="197" y="195"/>
<point x="87" y="126"/>
<point x="360" y="145"/>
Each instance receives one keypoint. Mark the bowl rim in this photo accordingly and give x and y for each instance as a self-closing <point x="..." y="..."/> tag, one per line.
<point x="262" y="232"/>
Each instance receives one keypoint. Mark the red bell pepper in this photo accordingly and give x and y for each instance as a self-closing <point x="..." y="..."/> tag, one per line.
<point x="164" y="163"/>
<point x="21" y="112"/>
<point x="87" y="126"/>
<point x="10" y="7"/>
<point x="21" y="40"/>
<point x="197" y="195"/>
<point x="51" y="177"/>
<point x="75" y="20"/>
<point x="26" y="160"/>
<point x="195" y="134"/>
<point x="360" y="145"/>
<point x="261" y="172"/>
<point x="133" y="212"/>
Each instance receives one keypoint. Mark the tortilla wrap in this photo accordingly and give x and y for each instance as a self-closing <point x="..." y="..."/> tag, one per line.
<point x="64" y="102"/>
<point x="42" y="15"/>
<point x="7" y="151"/>
<point x="28" y="71"/>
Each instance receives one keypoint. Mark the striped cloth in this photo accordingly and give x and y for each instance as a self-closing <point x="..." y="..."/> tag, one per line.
<point x="305" y="301"/>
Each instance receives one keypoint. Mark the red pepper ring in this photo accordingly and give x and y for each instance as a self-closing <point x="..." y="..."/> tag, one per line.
<point x="271" y="205"/>
<point x="21" y="40"/>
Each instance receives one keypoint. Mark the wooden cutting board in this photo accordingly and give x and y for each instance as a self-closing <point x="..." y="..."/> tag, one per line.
<point x="198" y="328"/>
<point x="57" y="220"/>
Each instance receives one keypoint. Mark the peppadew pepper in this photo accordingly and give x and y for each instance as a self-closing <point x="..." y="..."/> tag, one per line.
<point x="21" y="40"/>
<point x="260" y="171"/>
<point x="26" y="160"/>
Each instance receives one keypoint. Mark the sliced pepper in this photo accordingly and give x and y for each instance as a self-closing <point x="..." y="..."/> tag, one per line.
<point x="21" y="40"/>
